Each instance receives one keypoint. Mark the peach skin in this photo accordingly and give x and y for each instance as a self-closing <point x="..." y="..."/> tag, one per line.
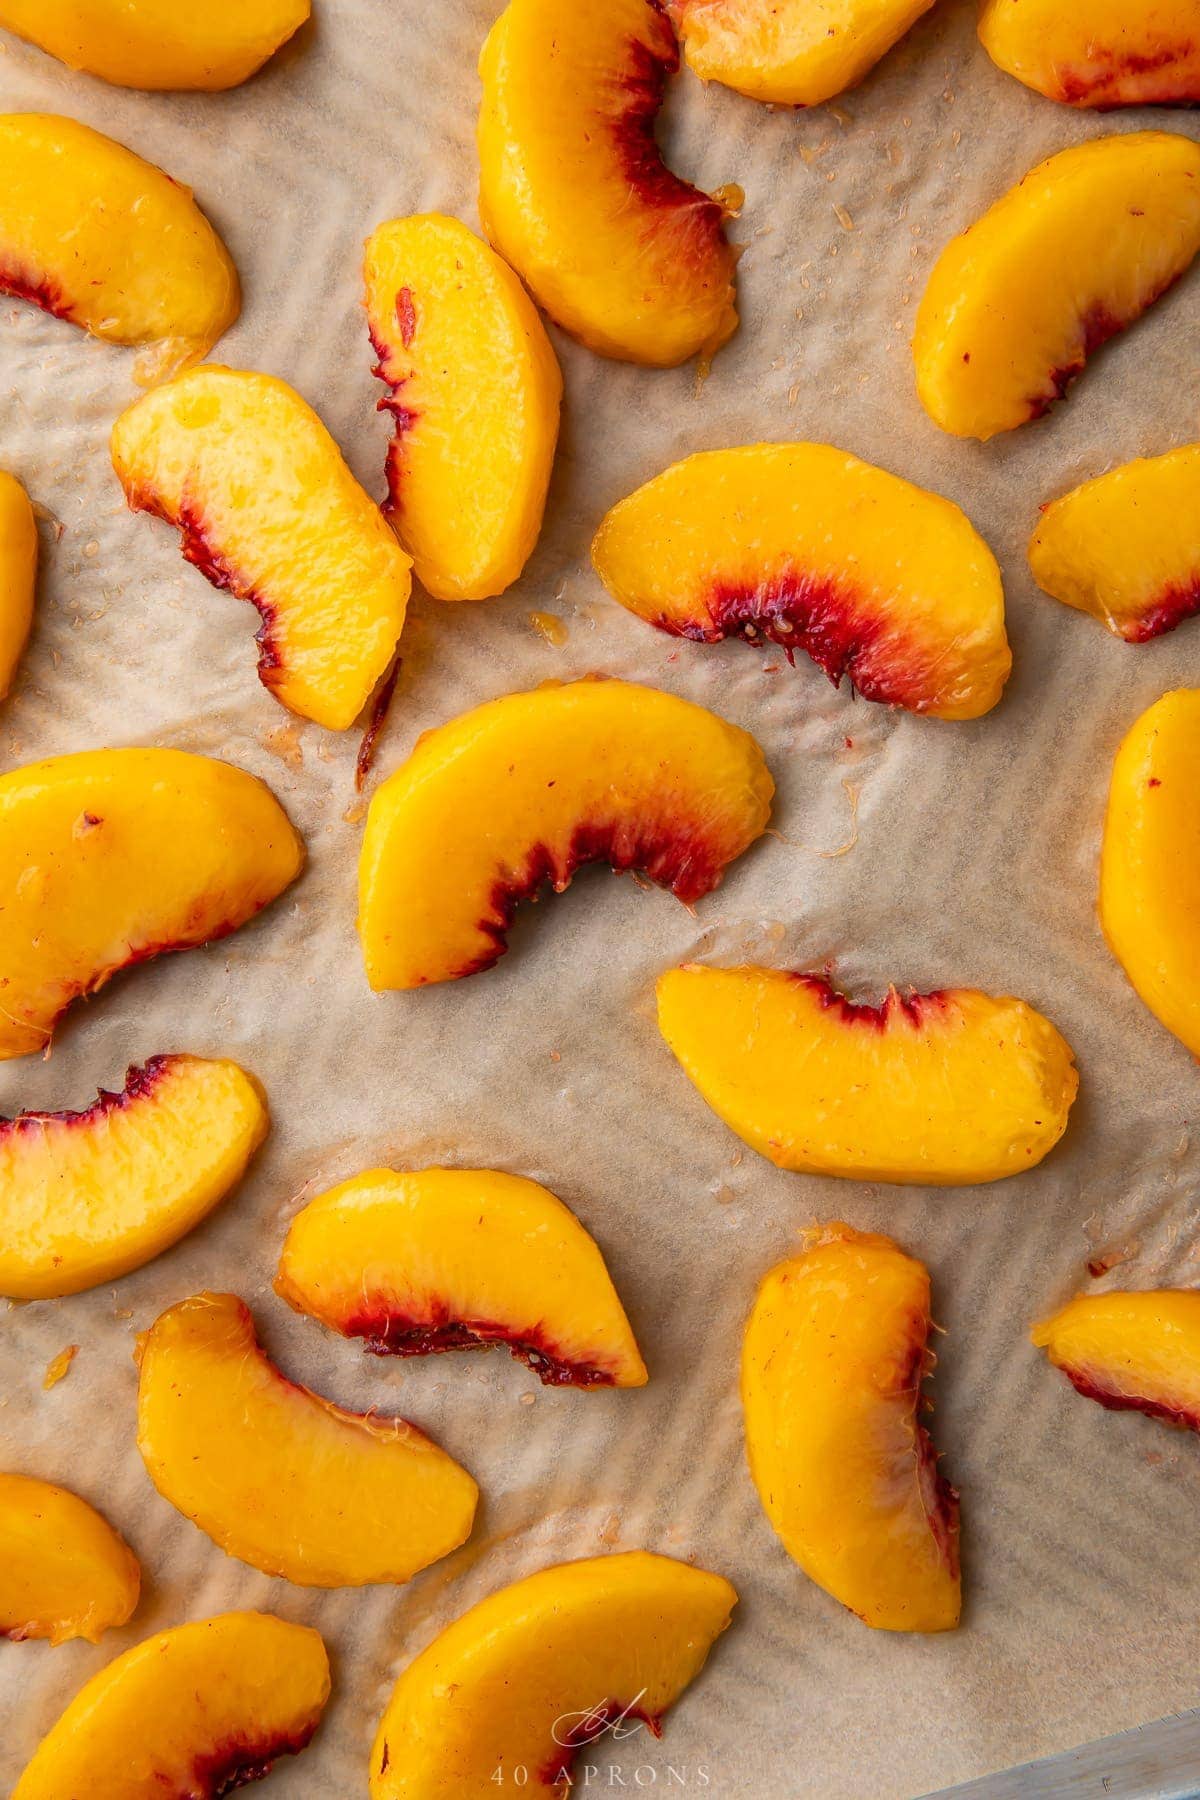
<point x="1126" y="546"/>
<point x="269" y="511"/>
<point x="64" y="1572"/>
<point x="805" y="546"/>
<point x="157" y="44"/>
<point x="832" y="1364"/>
<point x="18" y="574"/>
<point x="1150" y="862"/>
<point x="536" y="785"/>
<point x="1131" y="1351"/>
<point x="109" y="857"/>
<point x="1108" y="225"/>
<point x="943" y="1089"/>
<point x="91" y="233"/>
<point x="790" y="52"/>
<point x="278" y="1477"/>
<point x="1098" y="53"/>
<point x="459" y="1259"/>
<point x="573" y="190"/>
<point x="539" y="1669"/>
<point x="190" y="1714"/>
<point x="474" y="391"/>
<point x="87" y="1196"/>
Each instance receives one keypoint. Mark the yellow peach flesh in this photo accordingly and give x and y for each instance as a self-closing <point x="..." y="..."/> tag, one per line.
<point x="790" y="52"/>
<point x="64" y="1572"/>
<point x="1131" y="1351"/>
<point x="18" y="574"/>
<point x="1098" y="53"/>
<point x="158" y="44"/>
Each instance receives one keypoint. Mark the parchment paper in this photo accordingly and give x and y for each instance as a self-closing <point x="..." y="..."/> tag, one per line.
<point x="974" y="862"/>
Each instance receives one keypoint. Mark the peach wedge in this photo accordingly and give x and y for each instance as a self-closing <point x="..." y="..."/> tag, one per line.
<point x="1131" y="1351"/>
<point x="790" y="52"/>
<point x="87" y="1196"/>
<point x="108" y="857"/>
<point x="278" y="1477"/>
<point x="190" y="1714"/>
<point x="1150" y="862"/>
<point x="458" y="1259"/>
<point x="93" y="234"/>
<point x="881" y="583"/>
<point x="1108" y="225"/>
<point x="64" y="1572"/>
<point x="474" y="392"/>
<point x="573" y="190"/>
<point x="832" y="1365"/>
<point x="18" y="574"/>
<point x="1126" y="546"/>
<point x="537" y="1670"/>
<point x="269" y="511"/>
<point x="158" y="44"/>
<point x="943" y="1089"/>
<point x="524" y="790"/>
<point x="1097" y="53"/>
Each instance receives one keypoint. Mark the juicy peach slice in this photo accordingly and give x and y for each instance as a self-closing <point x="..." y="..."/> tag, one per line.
<point x="474" y="392"/>
<point x="944" y="1089"/>
<point x="91" y="233"/>
<point x="1137" y="1352"/>
<point x="157" y="44"/>
<point x="535" y="785"/>
<point x="804" y="545"/>
<point x="1125" y="546"/>
<point x="64" y="1572"/>
<point x="278" y="1477"/>
<point x="832" y="1364"/>
<point x="541" y="1668"/>
<point x="457" y="1259"/>
<point x="190" y="1714"/>
<point x="1108" y="226"/>
<point x="270" y="512"/>
<point x="791" y="52"/>
<point x="108" y="857"/>
<point x="1100" y="53"/>
<point x="18" y="574"/>
<point x="573" y="190"/>
<point x="87" y="1196"/>
<point x="1150" y="863"/>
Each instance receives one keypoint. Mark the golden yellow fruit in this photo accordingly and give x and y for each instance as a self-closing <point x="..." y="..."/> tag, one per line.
<point x="64" y="1572"/>
<point x="18" y="574"/>
<point x="790" y="52"/>
<point x="1135" y="1351"/>
<point x="1100" y="53"/>
<point x="158" y="43"/>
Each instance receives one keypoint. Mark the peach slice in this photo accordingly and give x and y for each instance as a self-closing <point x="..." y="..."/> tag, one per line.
<point x="190" y="1714"/>
<point x="943" y="1089"/>
<point x="108" y="857"/>
<point x="87" y="1196"/>
<point x="1125" y="547"/>
<point x="1150" y="862"/>
<point x="1108" y="225"/>
<point x="157" y="44"/>
<point x="790" y="52"/>
<point x="93" y="234"/>
<point x="535" y="785"/>
<point x="18" y="574"/>
<point x="539" y="1669"/>
<point x="279" y="1477"/>
<point x="1099" y="53"/>
<point x="1137" y="1352"/>
<point x="832" y="1364"/>
<point x="573" y="190"/>
<point x="474" y="390"/>
<point x="806" y="546"/>
<point x="269" y="511"/>
<point x="458" y="1259"/>
<point x="64" y="1572"/>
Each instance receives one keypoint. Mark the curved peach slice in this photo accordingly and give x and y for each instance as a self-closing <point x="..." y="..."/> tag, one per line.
<point x="1108" y="226"/>
<point x="91" y="233"/>
<point x="790" y="52"/>
<point x="474" y="393"/>
<point x="18" y="574"/>
<point x="944" y="1089"/>
<point x="157" y="44"/>
<point x="533" y="786"/>
<point x="190" y="1714"/>
<point x="278" y="1477"/>
<point x="458" y="1259"/>
<point x="806" y="546"/>
<point x="1124" y="547"/>
<point x="87" y="1196"/>
<point x="1150" y="862"/>
<point x="1100" y="53"/>
<point x="832" y="1364"/>
<point x="64" y="1572"/>
<point x="108" y="857"/>
<point x="270" y="512"/>
<point x="1137" y="1352"/>
<point x="574" y="193"/>
<point x="539" y="1669"/>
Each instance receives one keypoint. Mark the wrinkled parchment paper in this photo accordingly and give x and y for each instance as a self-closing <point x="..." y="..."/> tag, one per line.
<point x="973" y="860"/>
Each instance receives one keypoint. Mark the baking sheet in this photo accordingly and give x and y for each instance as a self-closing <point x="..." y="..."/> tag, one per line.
<point x="974" y="862"/>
